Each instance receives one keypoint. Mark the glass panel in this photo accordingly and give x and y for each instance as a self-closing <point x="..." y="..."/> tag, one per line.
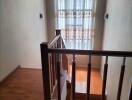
<point x="88" y="4"/>
<point x="75" y="19"/>
<point x="61" y="4"/>
<point x="69" y="4"/>
<point x="79" y="4"/>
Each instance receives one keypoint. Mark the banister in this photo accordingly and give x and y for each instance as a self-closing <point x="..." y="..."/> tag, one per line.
<point x="54" y="41"/>
<point x="45" y="71"/>
<point x="91" y="52"/>
<point x="55" y="62"/>
<point x="51" y="65"/>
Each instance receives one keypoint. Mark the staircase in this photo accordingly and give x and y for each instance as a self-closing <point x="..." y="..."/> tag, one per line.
<point x="81" y="96"/>
<point x="55" y="67"/>
<point x="81" y="77"/>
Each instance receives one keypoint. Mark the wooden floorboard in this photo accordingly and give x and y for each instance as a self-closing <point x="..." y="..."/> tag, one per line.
<point x="23" y="84"/>
<point x="81" y="80"/>
<point x="26" y="84"/>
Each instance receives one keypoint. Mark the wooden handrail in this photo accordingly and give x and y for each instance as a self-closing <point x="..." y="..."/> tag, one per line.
<point x="53" y="41"/>
<point x="92" y="52"/>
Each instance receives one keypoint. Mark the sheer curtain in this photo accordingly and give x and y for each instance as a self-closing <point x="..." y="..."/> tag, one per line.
<point x="75" y="19"/>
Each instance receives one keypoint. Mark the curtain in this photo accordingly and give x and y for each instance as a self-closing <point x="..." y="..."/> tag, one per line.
<point x="75" y="19"/>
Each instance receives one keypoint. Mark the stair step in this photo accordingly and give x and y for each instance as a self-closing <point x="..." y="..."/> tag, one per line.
<point x="82" y="96"/>
<point x="63" y="78"/>
<point x="81" y="80"/>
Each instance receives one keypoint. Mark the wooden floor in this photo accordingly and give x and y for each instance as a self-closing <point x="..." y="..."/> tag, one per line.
<point x="26" y="84"/>
<point x="81" y="80"/>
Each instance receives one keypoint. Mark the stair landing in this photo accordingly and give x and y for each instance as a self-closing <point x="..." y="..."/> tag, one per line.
<point x="81" y="80"/>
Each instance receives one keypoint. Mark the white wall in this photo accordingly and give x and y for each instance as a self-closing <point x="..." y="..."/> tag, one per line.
<point x="21" y="32"/>
<point x="118" y="36"/>
<point x="33" y="32"/>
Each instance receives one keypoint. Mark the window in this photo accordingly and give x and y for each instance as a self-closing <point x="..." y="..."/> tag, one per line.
<point x="75" y="19"/>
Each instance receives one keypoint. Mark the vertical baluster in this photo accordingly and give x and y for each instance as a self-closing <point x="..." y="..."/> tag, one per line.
<point x="51" y="75"/>
<point x="121" y="79"/>
<point x="45" y="71"/>
<point x="53" y="67"/>
<point x="130" y="95"/>
<point x="58" y="78"/>
<point x="105" y="78"/>
<point x="88" y="77"/>
<point x="73" y="77"/>
<point x="55" y="58"/>
<point x="58" y="32"/>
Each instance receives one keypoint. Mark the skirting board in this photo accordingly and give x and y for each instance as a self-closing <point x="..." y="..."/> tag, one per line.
<point x="31" y="67"/>
<point x="4" y="79"/>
